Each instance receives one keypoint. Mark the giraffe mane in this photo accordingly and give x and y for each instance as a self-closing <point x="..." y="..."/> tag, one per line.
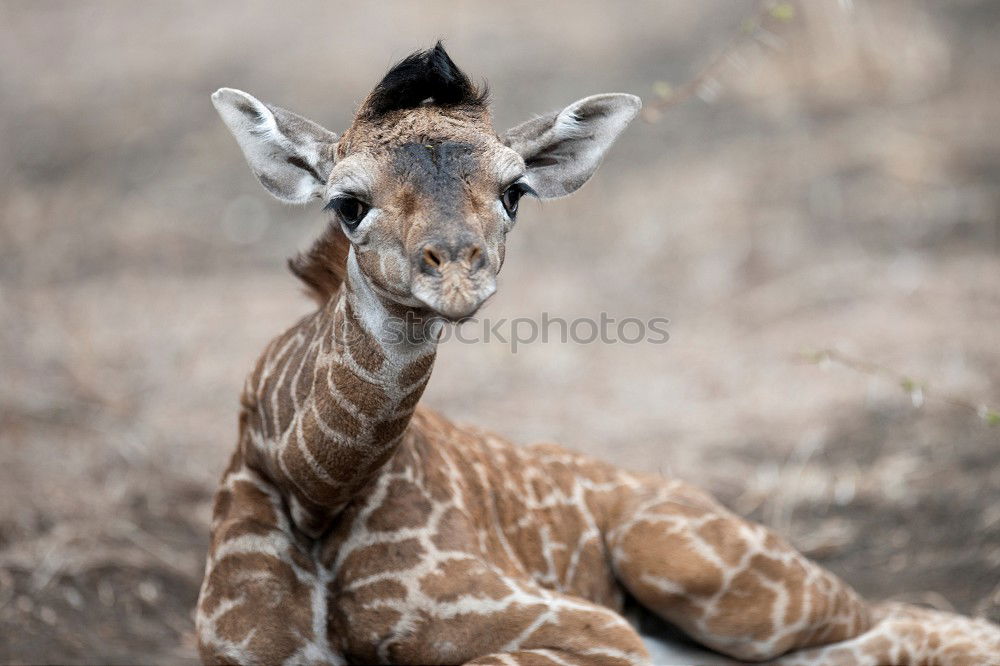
<point x="424" y="77"/>
<point x="323" y="267"/>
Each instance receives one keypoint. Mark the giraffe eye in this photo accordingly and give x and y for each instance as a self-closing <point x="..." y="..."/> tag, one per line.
<point x="511" y="197"/>
<point x="350" y="210"/>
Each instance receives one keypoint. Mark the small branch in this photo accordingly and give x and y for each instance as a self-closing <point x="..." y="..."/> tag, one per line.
<point x="916" y="390"/>
<point x="751" y="29"/>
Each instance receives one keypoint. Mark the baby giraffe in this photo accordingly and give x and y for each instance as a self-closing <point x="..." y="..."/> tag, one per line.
<point x="354" y="525"/>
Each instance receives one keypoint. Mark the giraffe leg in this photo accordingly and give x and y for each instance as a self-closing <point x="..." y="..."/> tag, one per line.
<point x="263" y="598"/>
<point x="730" y="584"/>
<point x="455" y="608"/>
<point x="541" y="657"/>
<point x="904" y="634"/>
<point x="550" y="629"/>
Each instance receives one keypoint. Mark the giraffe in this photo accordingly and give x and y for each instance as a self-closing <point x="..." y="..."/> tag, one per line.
<point x="354" y="525"/>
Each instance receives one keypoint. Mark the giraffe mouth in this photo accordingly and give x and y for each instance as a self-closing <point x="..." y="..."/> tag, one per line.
<point x="455" y="295"/>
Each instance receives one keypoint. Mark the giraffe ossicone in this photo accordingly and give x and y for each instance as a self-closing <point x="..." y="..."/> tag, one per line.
<point x="355" y="526"/>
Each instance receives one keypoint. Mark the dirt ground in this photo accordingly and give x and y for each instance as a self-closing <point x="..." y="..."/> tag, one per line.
<point x="833" y="185"/>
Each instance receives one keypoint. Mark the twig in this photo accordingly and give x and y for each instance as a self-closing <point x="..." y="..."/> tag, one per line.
<point x="752" y="28"/>
<point x="916" y="390"/>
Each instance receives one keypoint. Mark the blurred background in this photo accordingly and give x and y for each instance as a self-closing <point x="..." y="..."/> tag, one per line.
<point x="831" y="184"/>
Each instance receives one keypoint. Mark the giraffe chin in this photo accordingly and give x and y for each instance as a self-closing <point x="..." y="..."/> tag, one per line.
<point x="456" y="304"/>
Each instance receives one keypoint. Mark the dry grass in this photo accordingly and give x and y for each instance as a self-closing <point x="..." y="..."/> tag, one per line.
<point x="838" y="191"/>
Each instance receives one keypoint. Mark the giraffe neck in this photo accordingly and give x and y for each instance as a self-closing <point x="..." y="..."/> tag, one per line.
<point x="334" y="397"/>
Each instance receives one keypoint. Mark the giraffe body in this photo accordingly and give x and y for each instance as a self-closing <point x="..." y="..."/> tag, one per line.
<point x="354" y="526"/>
<point x="466" y="546"/>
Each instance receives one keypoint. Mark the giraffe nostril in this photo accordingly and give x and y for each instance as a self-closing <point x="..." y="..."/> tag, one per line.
<point x="477" y="258"/>
<point x="435" y="257"/>
<point x="432" y="257"/>
<point x="431" y="260"/>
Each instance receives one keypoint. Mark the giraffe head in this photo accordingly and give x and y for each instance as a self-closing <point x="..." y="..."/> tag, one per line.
<point x="421" y="189"/>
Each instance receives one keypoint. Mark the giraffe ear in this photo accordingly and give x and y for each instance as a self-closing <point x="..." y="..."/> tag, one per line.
<point x="563" y="149"/>
<point x="291" y="156"/>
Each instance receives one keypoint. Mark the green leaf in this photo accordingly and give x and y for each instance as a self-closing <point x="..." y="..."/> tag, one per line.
<point x="992" y="417"/>
<point x="663" y="89"/>
<point x="782" y="11"/>
<point x="811" y="356"/>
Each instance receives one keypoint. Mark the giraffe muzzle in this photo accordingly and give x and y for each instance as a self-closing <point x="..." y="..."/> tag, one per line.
<point x="453" y="280"/>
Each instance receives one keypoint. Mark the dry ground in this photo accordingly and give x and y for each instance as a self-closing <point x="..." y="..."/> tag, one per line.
<point x="839" y="190"/>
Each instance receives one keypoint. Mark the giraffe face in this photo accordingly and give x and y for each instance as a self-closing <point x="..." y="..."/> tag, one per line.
<point x="427" y="211"/>
<point x="420" y="186"/>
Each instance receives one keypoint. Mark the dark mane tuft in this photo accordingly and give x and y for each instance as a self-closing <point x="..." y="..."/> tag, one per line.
<point x="323" y="267"/>
<point x="424" y="75"/>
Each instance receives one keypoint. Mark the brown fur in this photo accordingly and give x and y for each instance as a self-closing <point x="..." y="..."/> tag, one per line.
<point x="323" y="266"/>
<point x="420" y="125"/>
